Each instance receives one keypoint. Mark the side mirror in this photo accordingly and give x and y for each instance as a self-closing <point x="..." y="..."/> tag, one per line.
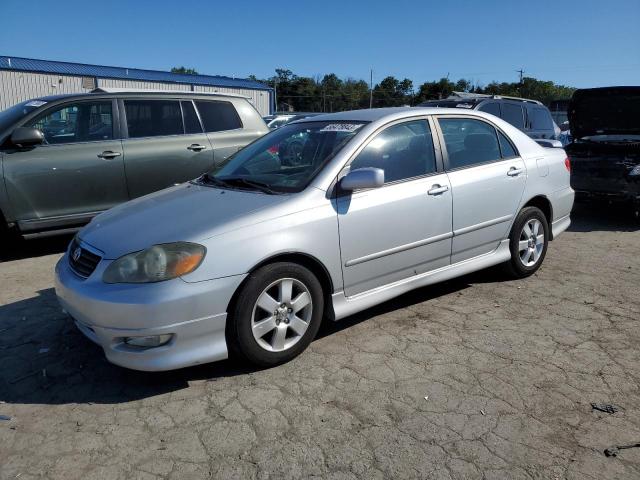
<point x="363" y="178"/>
<point x="27" y="137"/>
<point x="549" y="143"/>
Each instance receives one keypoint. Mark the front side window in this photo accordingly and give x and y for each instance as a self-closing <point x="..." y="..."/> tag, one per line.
<point x="469" y="142"/>
<point x="402" y="151"/>
<point x="218" y="116"/>
<point x="153" y="118"/>
<point x="512" y="113"/>
<point x="286" y="159"/>
<point x="78" y="122"/>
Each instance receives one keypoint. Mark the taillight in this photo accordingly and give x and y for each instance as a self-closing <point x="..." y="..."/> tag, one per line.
<point x="567" y="164"/>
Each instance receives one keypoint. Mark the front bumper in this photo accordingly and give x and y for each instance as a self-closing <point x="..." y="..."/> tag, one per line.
<point x="195" y="313"/>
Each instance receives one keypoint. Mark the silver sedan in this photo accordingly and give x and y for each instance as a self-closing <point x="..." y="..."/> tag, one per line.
<point x="319" y="219"/>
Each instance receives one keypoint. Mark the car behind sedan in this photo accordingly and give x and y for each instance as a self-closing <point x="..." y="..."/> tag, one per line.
<point x="249" y="258"/>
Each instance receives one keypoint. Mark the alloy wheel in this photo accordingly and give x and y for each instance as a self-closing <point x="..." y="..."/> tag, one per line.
<point x="281" y="314"/>
<point x="531" y="243"/>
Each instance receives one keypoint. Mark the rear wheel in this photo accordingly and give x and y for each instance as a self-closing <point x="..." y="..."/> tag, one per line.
<point x="528" y="242"/>
<point x="276" y="315"/>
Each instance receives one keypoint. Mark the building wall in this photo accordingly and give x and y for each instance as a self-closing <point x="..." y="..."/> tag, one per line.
<point x="17" y="86"/>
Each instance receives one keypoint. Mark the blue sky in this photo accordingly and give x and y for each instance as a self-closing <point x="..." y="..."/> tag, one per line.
<point x="578" y="43"/>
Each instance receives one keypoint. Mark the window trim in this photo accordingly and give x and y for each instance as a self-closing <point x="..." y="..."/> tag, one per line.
<point x="445" y="153"/>
<point x="124" y="126"/>
<point x="184" y="123"/>
<point x="346" y="168"/>
<point x="115" y="120"/>
<point x="204" y="128"/>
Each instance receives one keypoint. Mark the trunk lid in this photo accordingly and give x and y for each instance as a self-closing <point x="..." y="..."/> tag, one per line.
<point x="605" y="111"/>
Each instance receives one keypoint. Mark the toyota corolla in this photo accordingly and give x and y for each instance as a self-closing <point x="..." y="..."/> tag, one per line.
<point x="316" y="220"/>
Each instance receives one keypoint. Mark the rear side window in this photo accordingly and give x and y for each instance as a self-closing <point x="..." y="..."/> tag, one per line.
<point x="469" y="142"/>
<point x="513" y="114"/>
<point x="540" y="119"/>
<point x="191" y="122"/>
<point x="506" y="147"/>
<point x="218" y="116"/>
<point x="153" y="118"/>
<point x="492" y="107"/>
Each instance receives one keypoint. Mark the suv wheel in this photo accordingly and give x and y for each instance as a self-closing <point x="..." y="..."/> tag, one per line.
<point x="528" y="242"/>
<point x="276" y="315"/>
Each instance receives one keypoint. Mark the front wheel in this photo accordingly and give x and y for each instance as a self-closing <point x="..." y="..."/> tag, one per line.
<point x="276" y="315"/>
<point x="528" y="242"/>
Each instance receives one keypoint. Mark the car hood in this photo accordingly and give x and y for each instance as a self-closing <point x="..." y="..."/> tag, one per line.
<point x="605" y="111"/>
<point x="187" y="212"/>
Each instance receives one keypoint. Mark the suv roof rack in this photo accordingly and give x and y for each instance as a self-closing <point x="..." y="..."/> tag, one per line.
<point x="481" y="96"/>
<point x="149" y="90"/>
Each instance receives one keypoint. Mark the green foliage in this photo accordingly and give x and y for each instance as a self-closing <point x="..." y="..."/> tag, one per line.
<point x="188" y="71"/>
<point x="330" y="93"/>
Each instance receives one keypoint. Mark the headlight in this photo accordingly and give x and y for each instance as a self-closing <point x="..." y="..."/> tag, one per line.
<point x="155" y="264"/>
<point x="635" y="172"/>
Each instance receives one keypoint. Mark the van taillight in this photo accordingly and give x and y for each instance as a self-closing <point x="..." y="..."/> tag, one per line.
<point x="567" y="163"/>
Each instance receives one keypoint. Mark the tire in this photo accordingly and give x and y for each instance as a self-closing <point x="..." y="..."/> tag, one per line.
<point x="276" y="315"/>
<point x="526" y="258"/>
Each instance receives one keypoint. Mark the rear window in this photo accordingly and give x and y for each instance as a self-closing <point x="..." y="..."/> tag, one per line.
<point x="540" y="119"/>
<point x="218" y="116"/>
<point x="513" y="114"/>
<point x="153" y="118"/>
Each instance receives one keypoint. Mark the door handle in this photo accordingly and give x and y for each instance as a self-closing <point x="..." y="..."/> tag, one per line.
<point x="514" y="172"/>
<point x="437" y="189"/>
<point x="108" y="154"/>
<point x="195" y="147"/>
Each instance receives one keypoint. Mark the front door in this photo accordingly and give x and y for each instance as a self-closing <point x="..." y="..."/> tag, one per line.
<point x="404" y="227"/>
<point x="165" y="144"/>
<point x="487" y="182"/>
<point x="76" y="173"/>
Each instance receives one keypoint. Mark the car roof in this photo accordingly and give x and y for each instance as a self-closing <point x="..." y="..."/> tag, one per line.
<point x="388" y="113"/>
<point x="134" y="92"/>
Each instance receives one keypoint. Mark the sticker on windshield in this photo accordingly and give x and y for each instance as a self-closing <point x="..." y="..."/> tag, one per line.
<point x="464" y="105"/>
<point x="35" y="103"/>
<point x="341" y="127"/>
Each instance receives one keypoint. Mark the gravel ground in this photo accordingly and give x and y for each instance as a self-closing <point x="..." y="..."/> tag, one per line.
<point x="475" y="378"/>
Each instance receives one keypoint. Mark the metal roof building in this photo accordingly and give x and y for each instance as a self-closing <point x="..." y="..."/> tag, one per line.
<point x="25" y="78"/>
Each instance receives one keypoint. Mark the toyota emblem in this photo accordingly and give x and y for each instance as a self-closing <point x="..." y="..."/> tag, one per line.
<point x="76" y="254"/>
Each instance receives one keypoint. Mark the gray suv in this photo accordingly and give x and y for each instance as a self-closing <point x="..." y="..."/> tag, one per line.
<point x="66" y="158"/>
<point x="529" y="116"/>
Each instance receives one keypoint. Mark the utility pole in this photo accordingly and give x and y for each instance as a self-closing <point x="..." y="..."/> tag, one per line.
<point x="371" y="90"/>
<point x="521" y="72"/>
<point x="275" y="94"/>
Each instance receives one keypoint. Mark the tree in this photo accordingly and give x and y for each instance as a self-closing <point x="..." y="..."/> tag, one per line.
<point x="187" y="71"/>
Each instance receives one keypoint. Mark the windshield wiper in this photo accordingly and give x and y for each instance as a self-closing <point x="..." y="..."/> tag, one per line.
<point x="208" y="178"/>
<point x="245" y="182"/>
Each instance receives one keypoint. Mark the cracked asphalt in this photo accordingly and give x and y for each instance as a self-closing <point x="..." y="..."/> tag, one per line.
<point x="477" y="378"/>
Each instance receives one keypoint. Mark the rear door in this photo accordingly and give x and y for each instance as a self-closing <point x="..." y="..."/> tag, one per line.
<point x="403" y="228"/>
<point x="77" y="173"/>
<point x="164" y="144"/>
<point x="224" y="128"/>
<point x="487" y="182"/>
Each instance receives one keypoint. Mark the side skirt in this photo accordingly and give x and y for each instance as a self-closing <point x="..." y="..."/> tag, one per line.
<point x="344" y="306"/>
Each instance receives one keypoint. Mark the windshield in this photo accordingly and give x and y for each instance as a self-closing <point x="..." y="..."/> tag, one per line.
<point x="12" y="114"/>
<point x="285" y="160"/>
